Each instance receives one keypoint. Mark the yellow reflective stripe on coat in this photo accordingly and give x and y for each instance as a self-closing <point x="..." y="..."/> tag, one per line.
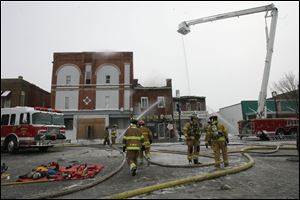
<point x="133" y="148"/>
<point x="133" y="137"/>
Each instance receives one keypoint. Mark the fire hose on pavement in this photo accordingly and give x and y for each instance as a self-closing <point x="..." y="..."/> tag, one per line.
<point x="202" y="177"/>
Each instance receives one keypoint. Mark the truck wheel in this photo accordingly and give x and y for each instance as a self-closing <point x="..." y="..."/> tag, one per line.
<point x="280" y="133"/>
<point x="12" y="145"/>
<point x="264" y="137"/>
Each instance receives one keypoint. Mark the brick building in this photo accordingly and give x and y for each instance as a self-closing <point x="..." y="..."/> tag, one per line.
<point x="189" y="105"/>
<point x="94" y="90"/>
<point x="19" y="92"/>
<point x="156" y="117"/>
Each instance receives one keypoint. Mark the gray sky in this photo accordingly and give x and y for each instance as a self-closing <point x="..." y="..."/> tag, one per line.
<point x="225" y="58"/>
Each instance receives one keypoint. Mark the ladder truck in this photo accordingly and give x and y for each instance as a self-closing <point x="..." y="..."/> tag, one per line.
<point x="261" y="113"/>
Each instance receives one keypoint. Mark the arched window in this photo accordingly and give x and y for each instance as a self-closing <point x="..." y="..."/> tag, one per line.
<point x="108" y="74"/>
<point x="68" y="74"/>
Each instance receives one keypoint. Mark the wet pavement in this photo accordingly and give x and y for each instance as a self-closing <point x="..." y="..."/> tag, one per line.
<point x="271" y="177"/>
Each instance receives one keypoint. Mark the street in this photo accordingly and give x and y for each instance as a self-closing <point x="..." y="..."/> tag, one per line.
<point x="272" y="176"/>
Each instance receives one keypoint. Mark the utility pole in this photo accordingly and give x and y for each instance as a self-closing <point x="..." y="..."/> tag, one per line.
<point x="179" y="117"/>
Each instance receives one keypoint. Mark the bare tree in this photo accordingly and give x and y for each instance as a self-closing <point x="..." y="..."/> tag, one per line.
<point x="288" y="86"/>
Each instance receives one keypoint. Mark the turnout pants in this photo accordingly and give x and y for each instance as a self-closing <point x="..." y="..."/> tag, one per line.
<point x="193" y="149"/>
<point x="113" y="140"/>
<point x="217" y="147"/>
<point x="106" y="140"/>
<point x="131" y="157"/>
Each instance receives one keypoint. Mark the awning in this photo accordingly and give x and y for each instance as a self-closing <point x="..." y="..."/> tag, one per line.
<point x="6" y="93"/>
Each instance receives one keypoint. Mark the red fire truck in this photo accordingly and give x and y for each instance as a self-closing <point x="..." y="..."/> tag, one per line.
<point x="266" y="128"/>
<point x="31" y="127"/>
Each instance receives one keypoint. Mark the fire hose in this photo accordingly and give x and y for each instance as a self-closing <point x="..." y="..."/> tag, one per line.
<point x="202" y="177"/>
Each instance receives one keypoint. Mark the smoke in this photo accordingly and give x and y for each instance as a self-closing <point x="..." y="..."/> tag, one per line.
<point x="154" y="81"/>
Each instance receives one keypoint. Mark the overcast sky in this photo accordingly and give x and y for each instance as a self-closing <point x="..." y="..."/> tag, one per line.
<point x="225" y="58"/>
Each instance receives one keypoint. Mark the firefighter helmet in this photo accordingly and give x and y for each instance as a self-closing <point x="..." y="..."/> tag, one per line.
<point x="141" y="123"/>
<point x="133" y="120"/>
<point x="213" y="117"/>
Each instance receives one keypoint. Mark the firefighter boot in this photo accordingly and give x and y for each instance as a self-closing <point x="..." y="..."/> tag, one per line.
<point x="190" y="162"/>
<point x="133" y="169"/>
<point x="196" y="161"/>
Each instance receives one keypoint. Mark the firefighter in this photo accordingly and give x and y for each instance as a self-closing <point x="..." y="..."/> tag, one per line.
<point x="133" y="142"/>
<point x="192" y="135"/>
<point x="106" y="136"/>
<point x="217" y="138"/>
<point x="113" y="134"/>
<point x="147" y="141"/>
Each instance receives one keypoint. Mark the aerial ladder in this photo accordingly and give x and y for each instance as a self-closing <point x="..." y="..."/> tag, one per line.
<point x="184" y="28"/>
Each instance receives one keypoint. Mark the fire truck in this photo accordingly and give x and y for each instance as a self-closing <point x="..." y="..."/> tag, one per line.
<point x="268" y="128"/>
<point x="36" y="127"/>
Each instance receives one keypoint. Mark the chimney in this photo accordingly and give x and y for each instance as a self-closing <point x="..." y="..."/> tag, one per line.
<point x="177" y="93"/>
<point x="20" y="77"/>
<point x="169" y="82"/>
<point x="135" y="82"/>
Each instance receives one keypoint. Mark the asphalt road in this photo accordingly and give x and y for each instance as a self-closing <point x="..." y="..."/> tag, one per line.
<point x="272" y="176"/>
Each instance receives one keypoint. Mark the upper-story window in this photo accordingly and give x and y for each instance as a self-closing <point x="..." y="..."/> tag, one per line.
<point x="188" y="106"/>
<point x="107" y="79"/>
<point x="68" y="80"/>
<point x="161" y="103"/>
<point x="144" y="102"/>
<point x="88" y="78"/>
<point x="107" y="74"/>
<point x="88" y="73"/>
<point x="68" y="74"/>
<point x="198" y="106"/>
<point x="22" y="100"/>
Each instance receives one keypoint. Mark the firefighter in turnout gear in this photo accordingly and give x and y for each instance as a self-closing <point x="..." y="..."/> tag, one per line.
<point x="192" y="135"/>
<point x="133" y="142"/>
<point x="106" y="136"/>
<point x="113" y="135"/>
<point x="147" y="141"/>
<point x="217" y="138"/>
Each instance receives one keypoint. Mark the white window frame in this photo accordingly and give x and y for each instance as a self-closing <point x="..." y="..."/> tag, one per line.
<point x="68" y="80"/>
<point x="144" y="102"/>
<point x="67" y="102"/>
<point x="107" y="78"/>
<point x="88" y="73"/>
<point x="88" y="76"/>
<point x="162" y="103"/>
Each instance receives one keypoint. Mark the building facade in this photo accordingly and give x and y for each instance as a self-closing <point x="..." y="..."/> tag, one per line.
<point x="155" y="106"/>
<point x="188" y="106"/>
<point x="19" y="92"/>
<point x="93" y="89"/>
